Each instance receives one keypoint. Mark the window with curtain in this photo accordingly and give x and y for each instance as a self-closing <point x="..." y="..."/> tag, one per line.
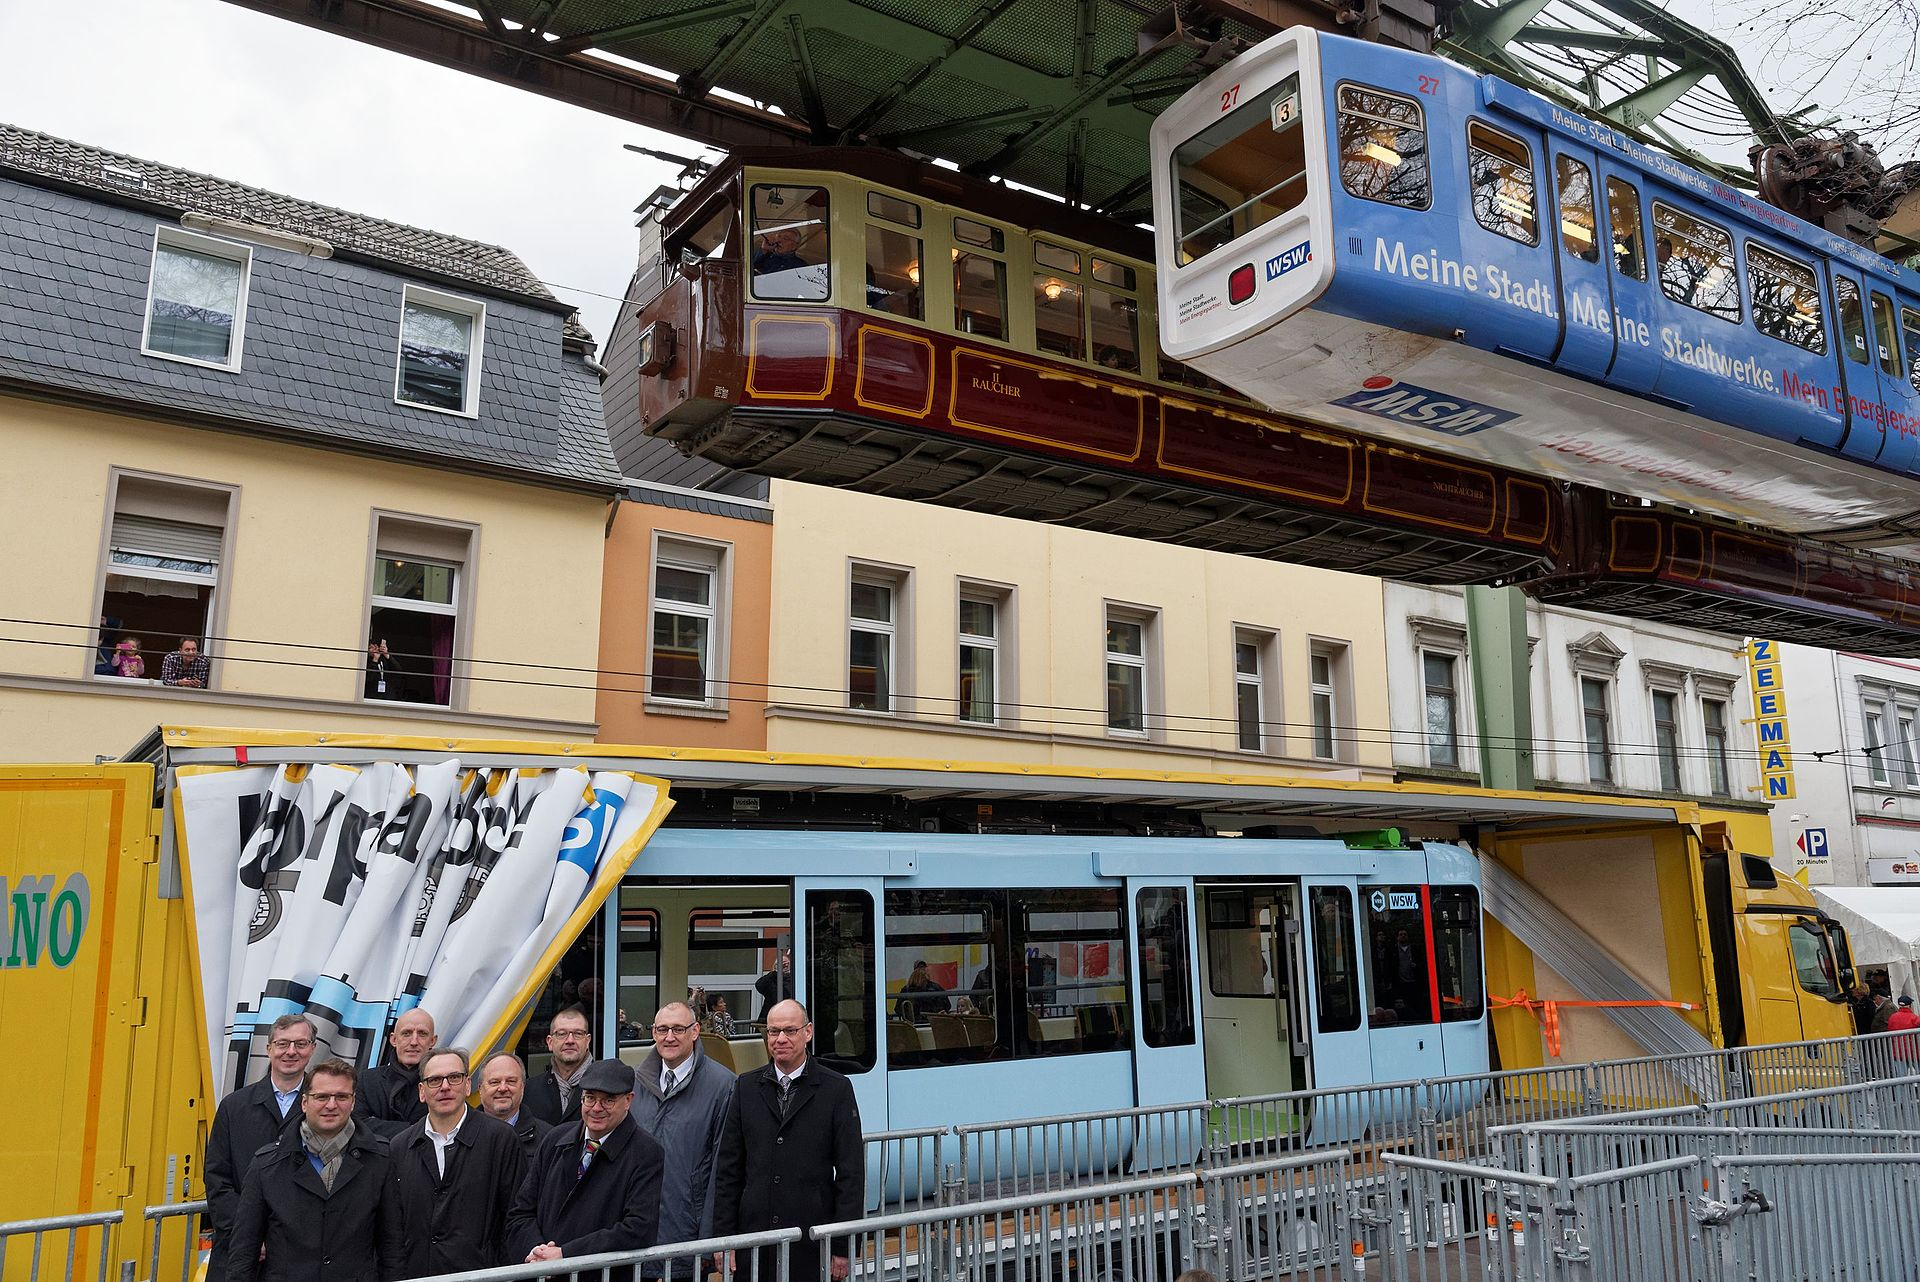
<point x="416" y="618"/>
<point x="197" y="303"/>
<point x="871" y="629"/>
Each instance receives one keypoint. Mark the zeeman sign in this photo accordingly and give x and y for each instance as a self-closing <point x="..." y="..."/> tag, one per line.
<point x="40" y="924"/>
<point x="1767" y="675"/>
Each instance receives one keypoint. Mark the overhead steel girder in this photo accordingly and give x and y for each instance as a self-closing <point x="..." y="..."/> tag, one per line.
<point x="561" y="71"/>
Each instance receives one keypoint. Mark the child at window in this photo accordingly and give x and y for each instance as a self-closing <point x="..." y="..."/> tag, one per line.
<point x="126" y="658"/>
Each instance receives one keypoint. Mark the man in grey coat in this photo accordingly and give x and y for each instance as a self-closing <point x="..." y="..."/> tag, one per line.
<point x="680" y="1099"/>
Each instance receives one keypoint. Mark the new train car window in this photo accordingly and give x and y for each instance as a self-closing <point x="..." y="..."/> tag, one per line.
<point x="1623" y="217"/>
<point x="1910" y="331"/>
<point x="1456" y="954"/>
<point x="1114" y="317"/>
<point x="979" y="279"/>
<point x="1383" y="147"/>
<point x="1786" y="299"/>
<point x="946" y="983"/>
<point x="790" y="241"/>
<point x="638" y="994"/>
<point x="894" y="257"/>
<point x="1695" y="259"/>
<point x="1058" y="324"/>
<point x="1884" y="337"/>
<point x="1853" y="320"/>
<point x="1336" y="972"/>
<point x="1074" y="946"/>
<point x="1246" y="168"/>
<point x="840" y="978"/>
<point x="1166" y="966"/>
<point x="1579" y="227"/>
<point x="1500" y="172"/>
<point x="1398" y="985"/>
<point x="729" y="950"/>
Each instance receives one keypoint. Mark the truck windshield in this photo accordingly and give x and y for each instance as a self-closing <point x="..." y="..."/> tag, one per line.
<point x="1246" y="168"/>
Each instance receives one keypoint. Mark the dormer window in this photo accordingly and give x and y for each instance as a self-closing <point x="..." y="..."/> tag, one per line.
<point x="197" y="299"/>
<point x="441" y="337"/>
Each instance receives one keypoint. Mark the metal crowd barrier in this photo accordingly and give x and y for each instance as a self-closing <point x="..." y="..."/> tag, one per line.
<point x="64" y="1234"/>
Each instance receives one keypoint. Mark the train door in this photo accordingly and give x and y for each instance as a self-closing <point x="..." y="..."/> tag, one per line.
<point x="1168" y="1063"/>
<point x="1586" y="299"/>
<point x="1402" y="984"/>
<point x="836" y="943"/>
<point x="1859" y="360"/>
<point x="1636" y="350"/>
<point x="1256" y="1044"/>
<point x="1501" y="229"/>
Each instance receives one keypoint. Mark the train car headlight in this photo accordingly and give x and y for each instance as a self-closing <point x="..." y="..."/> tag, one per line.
<point x="1240" y="284"/>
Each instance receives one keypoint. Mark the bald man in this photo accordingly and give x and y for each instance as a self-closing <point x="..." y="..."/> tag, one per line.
<point x="388" y="1101"/>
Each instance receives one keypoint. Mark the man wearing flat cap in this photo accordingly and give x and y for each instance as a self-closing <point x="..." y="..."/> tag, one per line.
<point x="593" y="1184"/>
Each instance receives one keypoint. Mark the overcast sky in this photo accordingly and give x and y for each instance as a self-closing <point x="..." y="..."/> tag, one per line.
<point x="209" y="86"/>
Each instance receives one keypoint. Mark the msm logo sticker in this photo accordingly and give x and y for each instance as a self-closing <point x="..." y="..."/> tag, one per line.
<point x="1419" y="407"/>
<point x="1288" y="259"/>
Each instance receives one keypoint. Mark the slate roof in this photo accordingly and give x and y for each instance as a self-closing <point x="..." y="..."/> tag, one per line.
<point x="143" y="182"/>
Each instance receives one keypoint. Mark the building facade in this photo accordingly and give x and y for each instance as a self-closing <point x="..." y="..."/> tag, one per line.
<point x="250" y="439"/>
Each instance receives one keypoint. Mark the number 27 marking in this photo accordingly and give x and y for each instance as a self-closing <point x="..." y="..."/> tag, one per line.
<point x="1230" y="98"/>
<point x="1429" y="84"/>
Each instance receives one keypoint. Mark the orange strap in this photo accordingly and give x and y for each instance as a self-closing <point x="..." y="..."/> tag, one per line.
<point x="1547" y="1011"/>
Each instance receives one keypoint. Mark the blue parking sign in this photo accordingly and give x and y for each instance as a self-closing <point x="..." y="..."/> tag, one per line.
<point x="1814" y="842"/>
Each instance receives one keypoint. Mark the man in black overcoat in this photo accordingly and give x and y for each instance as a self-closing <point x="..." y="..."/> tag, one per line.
<point x="320" y="1204"/>
<point x="503" y="1094"/>
<point x="554" y="1095"/>
<point x="791" y="1154"/>
<point x="458" y="1172"/>
<point x="594" y="1184"/>
<point x="247" y="1121"/>
<point x="390" y="1092"/>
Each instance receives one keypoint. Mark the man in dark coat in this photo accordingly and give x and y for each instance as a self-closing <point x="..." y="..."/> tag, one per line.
<point x="390" y="1093"/>
<point x="791" y="1154"/>
<point x="681" y="1100"/>
<point x="554" y="1096"/>
<point x="320" y="1202"/>
<point x="776" y="985"/>
<point x="594" y="1185"/>
<point x="247" y="1121"/>
<point x="503" y="1092"/>
<point x="458" y="1173"/>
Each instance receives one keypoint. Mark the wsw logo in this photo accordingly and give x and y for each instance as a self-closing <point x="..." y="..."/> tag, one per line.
<point x="1382" y="397"/>
<point x="1288" y="259"/>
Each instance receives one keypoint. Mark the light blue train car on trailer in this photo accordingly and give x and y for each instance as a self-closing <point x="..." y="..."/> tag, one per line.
<point x="1386" y="241"/>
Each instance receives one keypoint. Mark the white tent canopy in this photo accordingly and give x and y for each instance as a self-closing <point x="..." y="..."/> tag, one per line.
<point x="1883" y="924"/>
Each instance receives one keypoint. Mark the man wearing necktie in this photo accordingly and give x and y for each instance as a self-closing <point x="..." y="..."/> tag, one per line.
<point x="791" y="1155"/>
<point x="594" y="1185"/>
<point x="682" y="1102"/>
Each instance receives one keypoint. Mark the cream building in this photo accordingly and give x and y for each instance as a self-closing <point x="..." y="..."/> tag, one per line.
<point x="282" y="432"/>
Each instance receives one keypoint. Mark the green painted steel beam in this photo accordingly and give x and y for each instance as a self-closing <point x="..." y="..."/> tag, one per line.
<point x="1502" y="688"/>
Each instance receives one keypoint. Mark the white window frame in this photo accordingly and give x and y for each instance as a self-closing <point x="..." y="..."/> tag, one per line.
<point x="1265" y="681"/>
<point x="1456" y="663"/>
<point x="375" y="601"/>
<point x="444" y="302"/>
<point x="1145" y="618"/>
<point x="898" y="581"/>
<point x="1607" y="746"/>
<point x="693" y="556"/>
<point x="1678" y="695"/>
<point x="1332" y="693"/>
<point x="1874" y="710"/>
<point x="228" y="498"/>
<point x="232" y="251"/>
<point x="1723" y="755"/>
<point x="404" y="536"/>
<point x="999" y="600"/>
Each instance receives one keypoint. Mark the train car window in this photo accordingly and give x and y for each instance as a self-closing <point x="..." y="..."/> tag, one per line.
<point x="1786" y="299"/>
<point x="1074" y="946"/>
<point x="1910" y="331"/>
<point x="1119" y="275"/>
<point x="1166" y="966"/>
<point x="1623" y="216"/>
<point x="840" y="979"/>
<point x="1246" y="168"/>
<point x="1240" y="960"/>
<point x="729" y="950"/>
<point x="893" y="272"/>
<point x="710" y="237"/>
<point x="638" y="994"/>
<point x="1695" y="260"/>
<point x="1336" y="969"/>
<point x="1884" y="337"/>
<point x="1398" y="987"/>
<point x="979" y="280"/>
<point x="790" y="243"/>
<point x="1579" y="226"/>
<point x="1383" y="147"/>
<point x="893" y="209"/>
<point x="1853" y="320"/>
<point x="1057" y="257"/>
<point x="1116" y="330"/>
<point x="1500" y="172"/>
<point x="1813" y="963"/>
<point x="1456" y="954"/>
<point x="1058" y="326"/>
<point x="947" y="981"/>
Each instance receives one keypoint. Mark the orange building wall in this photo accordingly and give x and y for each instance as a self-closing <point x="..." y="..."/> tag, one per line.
<point x="624" y="650"/>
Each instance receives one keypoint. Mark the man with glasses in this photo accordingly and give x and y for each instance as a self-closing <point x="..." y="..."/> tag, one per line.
<point x="503" y="1093"/>
<point x="554" y="1096"/>
<point x="682" y="1102"/>
<point x="247" y="1121"/>
<point x="458" y="1172"/>
<point x="791" y="1155"/>
<point x="390" y="1093"/>
<point x="594" y="1184"/>
<point x="320" y="1204"/>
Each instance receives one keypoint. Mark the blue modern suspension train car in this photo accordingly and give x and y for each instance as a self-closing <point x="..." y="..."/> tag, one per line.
<point x="1385" y="241"/>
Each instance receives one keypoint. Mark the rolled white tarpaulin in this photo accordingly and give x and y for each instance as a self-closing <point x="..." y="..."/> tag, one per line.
<point x="216" y="809"/>
<point x="445" y="880"/>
